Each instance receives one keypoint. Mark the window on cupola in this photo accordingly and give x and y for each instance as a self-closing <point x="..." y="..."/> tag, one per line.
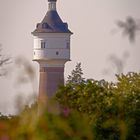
<point x="43" y="45"/>
<point x="45" y="26"/>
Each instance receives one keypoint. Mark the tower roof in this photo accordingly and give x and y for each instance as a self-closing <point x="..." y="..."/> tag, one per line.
<point x="52" y="23"/>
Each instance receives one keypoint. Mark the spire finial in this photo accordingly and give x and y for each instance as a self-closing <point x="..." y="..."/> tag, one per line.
<point x="52" y="5"/>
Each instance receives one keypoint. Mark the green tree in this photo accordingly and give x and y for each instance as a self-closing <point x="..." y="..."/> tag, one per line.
<point x="113" y="109"/>
<point x="76" y="76"/>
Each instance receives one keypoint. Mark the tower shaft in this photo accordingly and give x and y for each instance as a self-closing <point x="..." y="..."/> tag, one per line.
<point x="50" y="79"/>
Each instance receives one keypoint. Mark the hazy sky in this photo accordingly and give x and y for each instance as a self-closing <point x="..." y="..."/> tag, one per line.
<point x="95" y="38"/>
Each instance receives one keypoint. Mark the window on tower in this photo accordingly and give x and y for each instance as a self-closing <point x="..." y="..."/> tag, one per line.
<point x="43" y="45"/>
<point x="57" y="53"/>
<point x="68" y="45"/>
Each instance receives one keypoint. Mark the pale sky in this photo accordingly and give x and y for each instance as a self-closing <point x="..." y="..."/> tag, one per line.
<point x="95" y="38"/>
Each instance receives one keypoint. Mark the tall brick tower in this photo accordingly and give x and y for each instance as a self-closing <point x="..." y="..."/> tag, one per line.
<point x="51" y="51"/>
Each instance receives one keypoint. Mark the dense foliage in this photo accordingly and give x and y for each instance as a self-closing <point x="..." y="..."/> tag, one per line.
<point x="112" y="108"/>
<point x="90" y="110"/>
<point x="29" y="126"/>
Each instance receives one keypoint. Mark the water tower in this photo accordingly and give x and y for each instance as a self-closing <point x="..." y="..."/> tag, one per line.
<point x="51" y="51"/>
